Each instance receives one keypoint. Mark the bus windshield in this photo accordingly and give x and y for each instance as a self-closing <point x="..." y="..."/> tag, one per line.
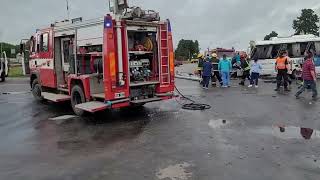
<point x="295" y="50"/>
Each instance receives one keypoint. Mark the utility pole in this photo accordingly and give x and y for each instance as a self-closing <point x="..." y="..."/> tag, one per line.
<point x="68" y="9"/>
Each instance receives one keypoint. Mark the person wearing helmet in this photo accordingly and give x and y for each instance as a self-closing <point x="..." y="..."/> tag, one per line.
<point x="216" y="74"/>
<point x="245" y="66"/>
<point x="200" y="64"/>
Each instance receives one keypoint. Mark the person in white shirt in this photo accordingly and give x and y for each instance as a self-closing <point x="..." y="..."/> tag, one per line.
<point x="255" y="73"/>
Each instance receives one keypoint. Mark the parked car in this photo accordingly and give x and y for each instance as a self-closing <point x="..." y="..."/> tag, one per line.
<point x="194" y="61"/>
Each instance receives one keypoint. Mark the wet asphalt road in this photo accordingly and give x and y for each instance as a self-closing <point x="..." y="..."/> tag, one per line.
<point x="248" y="134"/>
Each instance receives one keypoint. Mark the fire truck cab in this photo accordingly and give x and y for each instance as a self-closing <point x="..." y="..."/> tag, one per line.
<point x="103" y="63"/>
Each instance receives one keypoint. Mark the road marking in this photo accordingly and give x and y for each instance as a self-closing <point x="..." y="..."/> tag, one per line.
<point x="8" y="84"/>
<point x="15" y="93"/>
<point x="61" y="118"/>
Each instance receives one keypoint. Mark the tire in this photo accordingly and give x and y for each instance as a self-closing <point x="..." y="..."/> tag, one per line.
<point x="77" y="97"/>
<point x="36" y="90"/>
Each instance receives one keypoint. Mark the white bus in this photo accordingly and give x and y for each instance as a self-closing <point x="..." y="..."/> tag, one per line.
<point x="296" y="46"/>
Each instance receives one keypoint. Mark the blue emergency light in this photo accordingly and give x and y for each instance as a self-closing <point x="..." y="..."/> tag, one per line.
<point x="107" y="22"/>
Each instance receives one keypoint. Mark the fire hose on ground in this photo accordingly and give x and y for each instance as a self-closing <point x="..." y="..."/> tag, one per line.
<point x="193" y="105"/>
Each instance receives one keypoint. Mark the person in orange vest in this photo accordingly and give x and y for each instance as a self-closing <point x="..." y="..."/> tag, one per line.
<point x="281" y="67"/>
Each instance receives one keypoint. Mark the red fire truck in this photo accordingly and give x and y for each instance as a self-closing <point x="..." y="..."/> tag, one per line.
<point x="105" y="63"/>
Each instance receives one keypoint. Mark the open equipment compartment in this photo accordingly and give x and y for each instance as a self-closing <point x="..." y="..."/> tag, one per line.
<point x="143" y="55"/>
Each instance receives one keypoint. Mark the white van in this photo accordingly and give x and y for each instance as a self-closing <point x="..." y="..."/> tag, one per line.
<point x="296" y="46"/>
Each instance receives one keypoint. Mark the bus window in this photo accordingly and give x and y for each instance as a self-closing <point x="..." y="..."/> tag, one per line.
<point x="262" y="52"/>
<point x="303" y="48"/>
<point x="312" y="47"/>
<point x="275" y="50"/>
<point x="296" y="50"/>
<point x="317" y="46"/>
<point x="254" y="53"/>
<point x="290" y="50"/>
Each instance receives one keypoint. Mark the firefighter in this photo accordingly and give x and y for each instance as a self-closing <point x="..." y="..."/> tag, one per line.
<point x="216" y="74"/>
<point x="245" y="65"/>
<point x="281" y="66"/>
<point x="200" y="64"/>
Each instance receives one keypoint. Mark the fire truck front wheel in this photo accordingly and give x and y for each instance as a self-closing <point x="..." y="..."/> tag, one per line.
<point x="36" y="90"/>
<point x="77" y="97"/>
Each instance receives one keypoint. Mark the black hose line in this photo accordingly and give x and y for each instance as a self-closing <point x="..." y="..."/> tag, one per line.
<point x="193" y="105"/>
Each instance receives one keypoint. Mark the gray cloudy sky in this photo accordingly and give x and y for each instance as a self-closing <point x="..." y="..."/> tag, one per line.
<point x="223" y="23"/>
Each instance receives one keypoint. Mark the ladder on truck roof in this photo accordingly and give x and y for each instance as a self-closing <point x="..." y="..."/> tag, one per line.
<point x="164" y="55"/>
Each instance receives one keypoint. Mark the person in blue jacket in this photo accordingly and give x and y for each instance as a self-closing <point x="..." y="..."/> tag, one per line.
<point x="207" y="73"/>
<point x="225" y="68"/>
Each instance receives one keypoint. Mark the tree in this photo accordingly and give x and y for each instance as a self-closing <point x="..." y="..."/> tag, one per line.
<point x="271" y="35"/>
<point x="306" y="23"/>
<point x="197" y="47"/>
<point x="187" y="49"/>
<point x="7" y="48"/>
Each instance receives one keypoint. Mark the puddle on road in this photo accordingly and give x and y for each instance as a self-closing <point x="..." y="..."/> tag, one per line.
<point x="175" y="172"/>
<point x="218" y="123"/>
<point x="291" y="132"/>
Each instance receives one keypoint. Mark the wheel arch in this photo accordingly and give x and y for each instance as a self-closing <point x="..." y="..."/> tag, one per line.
<point x="33" y="76"/>
<point x="83" y="83"/>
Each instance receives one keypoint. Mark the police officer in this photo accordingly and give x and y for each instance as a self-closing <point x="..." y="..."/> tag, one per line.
<point x="281" y="67"/>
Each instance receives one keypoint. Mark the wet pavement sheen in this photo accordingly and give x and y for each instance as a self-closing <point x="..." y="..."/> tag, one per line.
<point x="248" y="134"/>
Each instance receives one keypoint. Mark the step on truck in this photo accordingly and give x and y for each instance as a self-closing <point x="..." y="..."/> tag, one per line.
<point x="106" y="63"/>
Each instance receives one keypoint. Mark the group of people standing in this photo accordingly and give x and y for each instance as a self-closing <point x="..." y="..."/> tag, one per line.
<point x="283" y="66"/>
<point x="215" y="69"/>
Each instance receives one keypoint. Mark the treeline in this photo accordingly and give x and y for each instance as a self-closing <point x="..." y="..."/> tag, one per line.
<point x="306" y="23"/>
<point x="187" y="49"/>
<point x="7" y="48"/>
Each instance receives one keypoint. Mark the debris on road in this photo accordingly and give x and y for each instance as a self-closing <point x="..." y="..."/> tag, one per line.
<point x="174" y="172"/>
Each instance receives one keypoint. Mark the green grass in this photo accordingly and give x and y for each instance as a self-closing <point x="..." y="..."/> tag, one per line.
<point x="15" y="71"/>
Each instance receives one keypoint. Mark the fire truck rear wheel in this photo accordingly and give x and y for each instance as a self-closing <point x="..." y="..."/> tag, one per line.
<point x="37" y="90"/>
<point x="77" y="97"/>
